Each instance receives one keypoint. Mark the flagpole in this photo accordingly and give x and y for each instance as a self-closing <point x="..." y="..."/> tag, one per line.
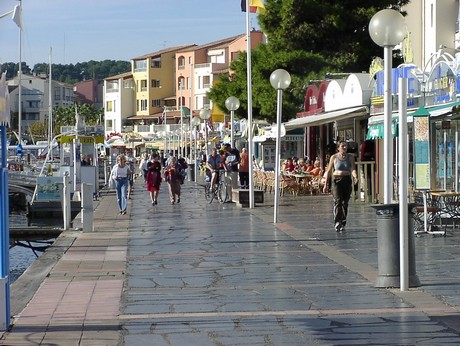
<point x="50" y="107"/>
<point x="249" y="79"/>
<point x="20" y="81"/>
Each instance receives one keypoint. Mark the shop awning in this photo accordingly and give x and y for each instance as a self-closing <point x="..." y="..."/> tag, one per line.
<point x="375" y="123"/>
<point x="325" y="118"/>
<point x="434" y="111"/>
<point x="440" y="110"/>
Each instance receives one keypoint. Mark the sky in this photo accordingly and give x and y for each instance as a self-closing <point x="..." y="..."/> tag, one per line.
<point x="84" y="30"/>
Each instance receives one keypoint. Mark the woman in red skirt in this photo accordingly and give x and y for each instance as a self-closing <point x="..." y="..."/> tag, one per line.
<point x="154" y="178"/>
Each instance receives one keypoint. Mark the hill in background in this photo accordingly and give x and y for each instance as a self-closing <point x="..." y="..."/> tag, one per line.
<point x="71" y="73"/>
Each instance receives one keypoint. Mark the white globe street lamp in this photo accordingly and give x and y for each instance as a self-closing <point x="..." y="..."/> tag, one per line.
<point x="279" y="79"/>
<point x="232" y="104"/>
<point x="387" y="29"/>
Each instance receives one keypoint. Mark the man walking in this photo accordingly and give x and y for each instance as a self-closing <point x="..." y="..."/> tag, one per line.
<point x="232" y="159"/>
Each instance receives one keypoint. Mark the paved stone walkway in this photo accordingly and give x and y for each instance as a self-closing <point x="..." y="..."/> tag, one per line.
<point x="216" y="274"/>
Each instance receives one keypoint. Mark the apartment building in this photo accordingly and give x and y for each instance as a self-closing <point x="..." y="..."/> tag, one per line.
<point x="119" y="101"/>
<point x="154" y="76"/>
<point x="198" y="68"/>
<point x="89" y="92"/>
<point x="164" y="81"/>
<point x="35" y="98"/>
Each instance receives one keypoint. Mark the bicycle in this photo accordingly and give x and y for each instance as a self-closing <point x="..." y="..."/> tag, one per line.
<point x="219" y="191"/>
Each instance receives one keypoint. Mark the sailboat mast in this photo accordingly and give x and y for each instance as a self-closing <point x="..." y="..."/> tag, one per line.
<point x="50" y="104"/>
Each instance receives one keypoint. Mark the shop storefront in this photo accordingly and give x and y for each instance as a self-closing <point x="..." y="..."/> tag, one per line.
<point x="435" y="92"/>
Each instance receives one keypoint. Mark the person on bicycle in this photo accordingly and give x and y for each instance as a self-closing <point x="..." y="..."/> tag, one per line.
<point x="213" y="164"/>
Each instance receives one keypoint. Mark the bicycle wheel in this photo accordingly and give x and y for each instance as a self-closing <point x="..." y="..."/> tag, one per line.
<point x="223" y="193"/>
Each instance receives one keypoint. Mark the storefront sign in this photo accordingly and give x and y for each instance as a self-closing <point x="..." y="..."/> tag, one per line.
<point x="422" y="173"/>
<point x="293" y="138"/>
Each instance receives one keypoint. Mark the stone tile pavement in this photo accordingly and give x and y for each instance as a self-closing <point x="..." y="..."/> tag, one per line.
<point x="217" y="274"/>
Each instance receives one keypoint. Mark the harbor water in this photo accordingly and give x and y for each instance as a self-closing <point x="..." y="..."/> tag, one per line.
<point x="23" y="252"/>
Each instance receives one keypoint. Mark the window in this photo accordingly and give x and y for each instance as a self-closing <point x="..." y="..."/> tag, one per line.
<point x="128" y="84"/>
<point x="109" y="106"/>
<point x="57" y="94"/>
<point x="181" y="63"/>
<point x="206" y="102"/>
<point x="33" y="104"/>
<point x="144" y="105"/>
<point x="180" y="84"/>
<point x="155" y="83"/>
<point x="206" y="81"/>
<point x="188" y="83"/>
<point x="109" y="125"/>
<point x="156" y="63"/>
<point x="156" y="103"/>
<point x="144" y="85"/>
<point x="112" y="86"/>
<point x="32" y="116"/>
<point x="140" y="65"/>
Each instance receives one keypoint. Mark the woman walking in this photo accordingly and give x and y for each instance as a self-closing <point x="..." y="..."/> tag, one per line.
<point x="173" y="177"/>
<point x="154" y="178"/>
<point x="342" y="167"/>
<point x="119" y="174"/>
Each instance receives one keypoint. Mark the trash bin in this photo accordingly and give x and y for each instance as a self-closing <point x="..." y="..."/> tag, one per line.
<point x="388" y="246"/>
<point x="191" y="172"/>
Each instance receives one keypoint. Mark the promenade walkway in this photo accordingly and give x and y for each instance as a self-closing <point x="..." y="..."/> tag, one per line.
<point x="216" y="274"/>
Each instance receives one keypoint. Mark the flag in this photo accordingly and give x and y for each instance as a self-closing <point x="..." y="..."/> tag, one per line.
<point x="17" y="16"/>
<point x="185" y="110"/>
<point x="255" y="6"/>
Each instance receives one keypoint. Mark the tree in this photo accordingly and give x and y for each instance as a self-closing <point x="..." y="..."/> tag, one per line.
<point x="65" y="116"/>
<point x="71" y="73"/>
<point x="38" y="131"/>
<point x="307" y="38"/>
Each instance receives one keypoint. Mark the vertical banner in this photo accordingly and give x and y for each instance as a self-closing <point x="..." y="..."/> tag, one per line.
<point x="422" y="173"/>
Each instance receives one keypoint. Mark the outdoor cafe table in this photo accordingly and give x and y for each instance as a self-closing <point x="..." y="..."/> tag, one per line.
<point x="427" y="213"/>
<point x="303" y="180"/>
<point x="449" y="202"/>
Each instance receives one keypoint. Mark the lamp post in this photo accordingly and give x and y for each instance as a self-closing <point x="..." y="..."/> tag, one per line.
<point x="181" y="145"/>
<point x="279" y="79"/>
<point x="387" y="29"/>
<point x="195" y="122"/>
<point x="205" y="114"/>
<point x="232" y="104"/>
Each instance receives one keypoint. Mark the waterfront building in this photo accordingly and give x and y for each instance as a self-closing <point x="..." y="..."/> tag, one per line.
<point x="35" y="98"/>
<point x="119" y="101"/>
